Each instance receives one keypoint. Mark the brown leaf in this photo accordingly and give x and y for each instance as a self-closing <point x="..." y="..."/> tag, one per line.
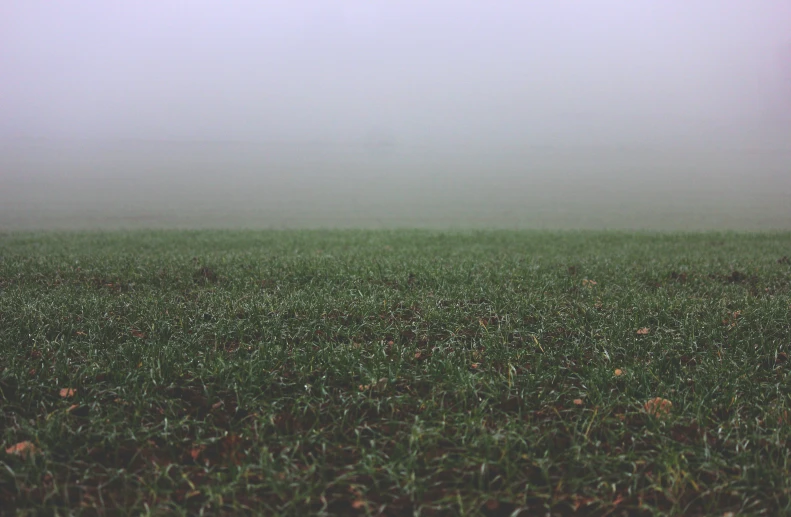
<point x="643" y="331"/>
<point x="67" y="392"/>
<point x="589" y="283"/>
<point x="196" y="451"/>
<point x="138" y="333"/>
<point x="580" y="501"/>
<point x="658" y="407"/>
<point x="23" y="449"/>
<point x="231" y="447"/>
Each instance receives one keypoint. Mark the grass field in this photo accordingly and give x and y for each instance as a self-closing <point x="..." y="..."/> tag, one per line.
<point x="395" y="373"/>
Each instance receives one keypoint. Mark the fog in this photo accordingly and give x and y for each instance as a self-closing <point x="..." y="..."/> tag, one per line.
<point x="610" y="114"/>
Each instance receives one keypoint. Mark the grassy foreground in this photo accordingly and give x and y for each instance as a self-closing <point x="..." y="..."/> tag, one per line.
<point x="395" y="373"/>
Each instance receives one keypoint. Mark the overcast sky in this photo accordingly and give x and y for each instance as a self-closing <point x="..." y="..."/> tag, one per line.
<point x="403" y="72"/>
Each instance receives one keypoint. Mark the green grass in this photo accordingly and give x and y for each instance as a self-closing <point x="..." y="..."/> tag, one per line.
<point x="399" y="373"/>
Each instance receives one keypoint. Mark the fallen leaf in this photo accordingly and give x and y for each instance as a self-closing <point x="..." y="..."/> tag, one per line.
<point x="23" y="449"/>
<point x="72" y="408"/>
<point x="579" y="502"/>
<point x="231" y="445"/>
<point x="589" y="283"/>
<point x="658" y="406"/>
<point x="417" y="354"/>
<point x="196" y="451"/>
<point x="475" y="365"/>
<point x="577" y="402"/>
<point x="216" y="405"/>
<point x="618" y="372"/>
<point x="137" y="333"/>
<point x="643" y="331"/>
<point x="67" y="392"/>
<point x="357" y="504"/>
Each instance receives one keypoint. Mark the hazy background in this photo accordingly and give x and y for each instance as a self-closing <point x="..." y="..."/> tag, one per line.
<point x="659" y="114"/>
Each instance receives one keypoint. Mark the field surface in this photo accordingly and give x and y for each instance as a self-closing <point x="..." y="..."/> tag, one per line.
<point x="395" y="373"/>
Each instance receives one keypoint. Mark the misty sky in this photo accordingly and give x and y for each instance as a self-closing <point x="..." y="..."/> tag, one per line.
<point x="406" y="72"/>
